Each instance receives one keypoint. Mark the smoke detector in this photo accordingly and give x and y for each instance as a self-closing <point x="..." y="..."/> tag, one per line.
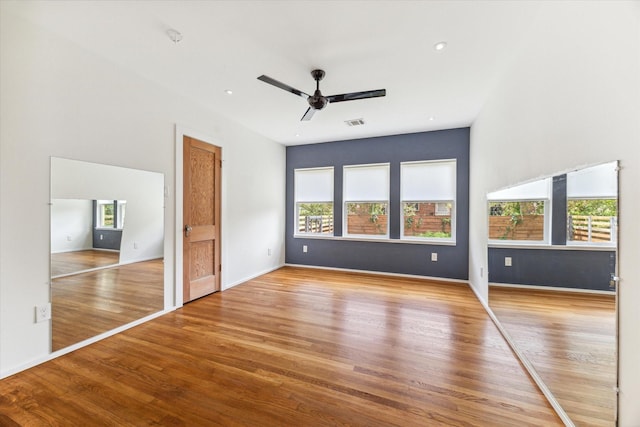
<point x="174" y="35"/>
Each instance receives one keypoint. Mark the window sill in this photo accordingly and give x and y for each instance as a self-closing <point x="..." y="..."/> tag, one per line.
<point x="376" y="240"/>
<point x="547" y="246"/>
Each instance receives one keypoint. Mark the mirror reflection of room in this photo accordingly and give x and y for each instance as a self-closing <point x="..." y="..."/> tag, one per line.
<point x="107" y="243"/>
<point x="552" y="277"/>
<point x="85" y="234"/>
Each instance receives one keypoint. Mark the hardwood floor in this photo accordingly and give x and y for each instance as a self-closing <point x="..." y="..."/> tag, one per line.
<point x="295" y="347"/>
<point x="87" y="304"/>
<point x="570" y="340"/>
<point x="72" y="262"/>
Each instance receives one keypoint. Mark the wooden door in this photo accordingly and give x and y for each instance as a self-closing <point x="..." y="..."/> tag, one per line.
<point x="201" y="217"/>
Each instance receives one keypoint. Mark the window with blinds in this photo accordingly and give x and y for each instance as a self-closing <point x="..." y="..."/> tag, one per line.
<point x="366" y="200"/>
<point x="313" y="189"/>
<point x="428" y="200"/>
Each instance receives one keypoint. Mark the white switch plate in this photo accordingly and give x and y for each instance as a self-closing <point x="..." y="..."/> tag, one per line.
<point x="304" y="248"/>
<point x="507" y="261"/>
<point x="434" y="256"/>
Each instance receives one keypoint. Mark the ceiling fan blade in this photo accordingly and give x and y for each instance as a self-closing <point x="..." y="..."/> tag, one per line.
<point x="357" y="95"/>
<point x="284" y="86"/>
<point x="307" y="116"/>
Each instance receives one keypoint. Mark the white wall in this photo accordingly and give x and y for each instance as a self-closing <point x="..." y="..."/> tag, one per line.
<point x="60" y="100"/>
<point x="71" y="225"/>
<point x="142" y="235"/>
<point x="571" y="98"/>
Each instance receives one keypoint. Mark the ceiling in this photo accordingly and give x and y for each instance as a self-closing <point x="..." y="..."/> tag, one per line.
<point x="361" y="45"/>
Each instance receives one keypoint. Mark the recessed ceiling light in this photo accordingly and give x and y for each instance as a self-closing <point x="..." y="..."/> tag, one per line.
<point x="228" y="92"/>
<point x="440" y="45"/>
<point x="297" y="134"/>
<point x="432" y="118"/>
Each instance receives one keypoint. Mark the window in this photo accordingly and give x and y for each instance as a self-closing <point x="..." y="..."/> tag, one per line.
<point x="366" y="200"/>
<point x="313" y="190"/>
<point x="521" y="213"/>
<point x="592" y="205"/>
<point x="110" y="213"/>
<point x="428" y="196"/>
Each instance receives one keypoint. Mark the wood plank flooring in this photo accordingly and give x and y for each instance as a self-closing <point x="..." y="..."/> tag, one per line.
<point x="72" y="262"/>
<point x="295" y="347"/>
<point x="570" y="340"/>
<point x="87" y="304"/>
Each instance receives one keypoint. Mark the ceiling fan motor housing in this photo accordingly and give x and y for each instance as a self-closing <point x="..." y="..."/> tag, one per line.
<point x="317" y="101"/>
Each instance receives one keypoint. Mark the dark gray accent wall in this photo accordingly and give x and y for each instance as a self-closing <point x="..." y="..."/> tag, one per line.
<point x="578" y="269"/>
<point x="559" y="210"/>
<point x="566" y="268"/>
<point x="404" y="258"/>
<point x="104" y="238"/>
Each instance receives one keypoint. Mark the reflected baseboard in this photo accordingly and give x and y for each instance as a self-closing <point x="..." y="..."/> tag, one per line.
<point x="89" y="341"/>
<point x="105" y="267"/>
<point x="551" y="288"/>
<point x="525" y="361"/>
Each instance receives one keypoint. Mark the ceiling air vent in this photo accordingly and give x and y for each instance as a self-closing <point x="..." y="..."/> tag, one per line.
<point x="354" y="122"/>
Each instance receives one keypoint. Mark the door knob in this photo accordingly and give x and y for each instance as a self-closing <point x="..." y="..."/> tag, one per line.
<point x="187" y="230"/>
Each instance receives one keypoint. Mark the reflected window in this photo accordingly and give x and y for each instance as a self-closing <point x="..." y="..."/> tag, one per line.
<point x="521" y="213"/>
<point x="110" y="213"/>
<point x="592" y="205"/>
<point x="592" y="221"/>
<point x="517" y="220"/>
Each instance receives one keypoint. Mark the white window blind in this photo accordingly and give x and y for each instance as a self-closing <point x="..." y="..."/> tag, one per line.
<point x="536" y="190"/>
<point x="594" y="182"/>
<point x="368" y="183"/>
<point x="432" y="181"/>
<point x="313" y="185"/>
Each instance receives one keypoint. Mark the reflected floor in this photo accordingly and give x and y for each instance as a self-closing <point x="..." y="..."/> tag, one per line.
<point x="570" y="340"/>
<point x="72" y="262"/>
<point x="88" y="304"/>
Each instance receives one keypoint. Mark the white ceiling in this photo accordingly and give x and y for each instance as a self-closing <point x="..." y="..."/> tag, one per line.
<point x="361" y="45"/>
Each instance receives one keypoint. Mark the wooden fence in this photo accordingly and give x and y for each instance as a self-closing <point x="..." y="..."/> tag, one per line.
<point x="586" y="228"/>
<point x="315" y="224"/>
<point x="527" y="227"/>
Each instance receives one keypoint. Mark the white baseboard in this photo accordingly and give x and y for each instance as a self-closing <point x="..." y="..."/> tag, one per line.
<point x="253" y="276"/>
<point x="380" y="273"/>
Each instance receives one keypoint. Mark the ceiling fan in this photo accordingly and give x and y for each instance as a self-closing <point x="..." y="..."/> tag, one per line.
<point x="317" y="101"/>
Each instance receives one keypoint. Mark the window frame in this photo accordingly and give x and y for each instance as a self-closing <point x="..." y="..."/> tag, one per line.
<point x="297" y="203"/>
<point x="589" y="243"/>
<point x="546" y="231"/>
<point x="345" y="200"/>
<point x="434" y="200"/>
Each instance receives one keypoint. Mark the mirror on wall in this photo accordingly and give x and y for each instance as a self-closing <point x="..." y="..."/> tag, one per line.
<point x="552" y="284"/>
<point x="107" y="244"/>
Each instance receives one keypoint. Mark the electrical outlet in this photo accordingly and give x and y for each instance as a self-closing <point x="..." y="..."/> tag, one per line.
<point x="135" y="245"/>
<point x="304" y="248"/>
<point x="101" y="237"/>
<point x="43" y="312"/>
<point x="269" y="252"/>
<point x="481" y="272"/>
<point x="507" y="261"/>
<point x="434" y="256"/>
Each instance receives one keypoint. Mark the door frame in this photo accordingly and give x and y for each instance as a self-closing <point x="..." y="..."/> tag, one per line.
<point x="180" y="133"/>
